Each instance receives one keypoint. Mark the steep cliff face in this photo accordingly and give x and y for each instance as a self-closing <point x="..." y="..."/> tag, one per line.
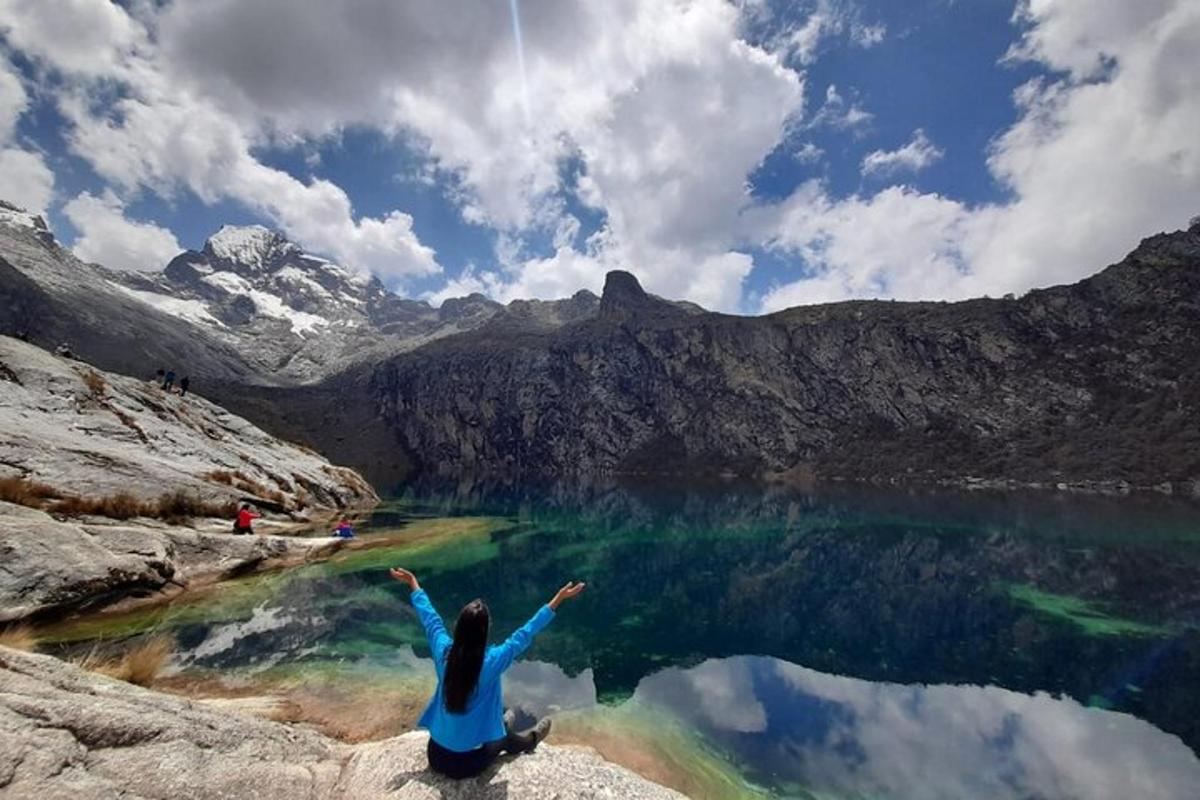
<point x="1094" y="381"/>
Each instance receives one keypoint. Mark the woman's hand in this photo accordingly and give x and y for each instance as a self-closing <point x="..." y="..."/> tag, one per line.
<point x="404" y="576"/>
<point x="572" y="589"/>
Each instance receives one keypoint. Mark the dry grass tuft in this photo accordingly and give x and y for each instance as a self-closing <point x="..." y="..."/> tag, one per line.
<point x="180" y="505"/>
<point x="244" y="483"/>
<point x="26" y="492"/>
<point x="140" y="664"/>
<point x="18" y="637"/>
<point x="95" y="383"/>
<point x="121" y="505"/>
<point x="174" y="507"/>
<point x="129" y="422"/>
<point x="222" y="476"/>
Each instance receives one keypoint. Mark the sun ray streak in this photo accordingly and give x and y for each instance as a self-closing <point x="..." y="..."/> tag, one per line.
<point x="516" y="24"/>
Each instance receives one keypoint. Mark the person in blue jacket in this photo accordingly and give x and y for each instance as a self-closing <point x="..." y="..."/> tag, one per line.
<point x="468" y="727"/>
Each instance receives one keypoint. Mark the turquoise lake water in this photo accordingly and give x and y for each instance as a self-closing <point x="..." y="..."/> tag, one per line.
<point x="823" y="643"/>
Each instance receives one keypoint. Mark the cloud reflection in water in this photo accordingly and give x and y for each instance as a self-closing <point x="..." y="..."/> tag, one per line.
<point x="791" y="725"/>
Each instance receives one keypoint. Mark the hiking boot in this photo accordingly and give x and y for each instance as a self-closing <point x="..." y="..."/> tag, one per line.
<point x="540" y="732"/>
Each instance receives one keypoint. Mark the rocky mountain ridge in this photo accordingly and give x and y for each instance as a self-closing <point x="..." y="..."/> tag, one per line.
<point x="249" y="307"/>
<point x="1091" y="382"/>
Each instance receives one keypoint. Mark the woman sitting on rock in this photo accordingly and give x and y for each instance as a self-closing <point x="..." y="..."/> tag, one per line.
<point x="468" y="727"/>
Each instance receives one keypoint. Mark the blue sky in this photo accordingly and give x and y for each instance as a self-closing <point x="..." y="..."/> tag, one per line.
<point x="747" y="156"/>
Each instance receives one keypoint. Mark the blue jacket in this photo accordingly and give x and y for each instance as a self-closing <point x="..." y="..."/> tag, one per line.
<point x="483" y="721"/>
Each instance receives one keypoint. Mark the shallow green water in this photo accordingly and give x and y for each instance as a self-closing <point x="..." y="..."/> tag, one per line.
<point x="824" y="644"/>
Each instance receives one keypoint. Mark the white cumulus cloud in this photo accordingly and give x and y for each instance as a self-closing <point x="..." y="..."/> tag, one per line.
<point x="108" y="237"/>
<point x="914" y="156"/>
<point x="25" y="180"/>
<point x="666" y="108"/>
<point x="663" y="103"/>
<point x="159" y="134"/>
<point x="1100" y="156"/>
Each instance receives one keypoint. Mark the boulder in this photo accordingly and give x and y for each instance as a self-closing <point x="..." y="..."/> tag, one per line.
<point x="66" y="733"/>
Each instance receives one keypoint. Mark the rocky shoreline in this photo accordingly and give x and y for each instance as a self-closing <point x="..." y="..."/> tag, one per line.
<point x="1107" y="488"/>
<point x="55" y="567"/>
<point x="70" y="733"/>
<point x="112" y="487"/>
<point x="116" y="493"/>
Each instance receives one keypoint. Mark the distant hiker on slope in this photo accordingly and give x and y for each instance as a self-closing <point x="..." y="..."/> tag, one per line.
<point x="245" y="520"/>
<point x="343" y="530"/>
<point x="183" y="386"/>
<point x="468" y="727"/>
<point x="168" y="381"/>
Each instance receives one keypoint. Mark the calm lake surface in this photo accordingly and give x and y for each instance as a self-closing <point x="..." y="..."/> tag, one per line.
<point x="772" y="641"/>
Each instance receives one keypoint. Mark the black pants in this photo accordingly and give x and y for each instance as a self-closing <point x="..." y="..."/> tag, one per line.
<point x="469" y="764"/>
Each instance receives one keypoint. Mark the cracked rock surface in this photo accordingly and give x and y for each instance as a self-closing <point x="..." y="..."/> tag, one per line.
<point x="86" y="432"/>
<point x="67" y="733"/>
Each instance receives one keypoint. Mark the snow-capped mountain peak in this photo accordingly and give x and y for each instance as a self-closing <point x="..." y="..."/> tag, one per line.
<point x="251" y="294"/>
<point x="249" y="245"/>
<point x="20" y="218"/>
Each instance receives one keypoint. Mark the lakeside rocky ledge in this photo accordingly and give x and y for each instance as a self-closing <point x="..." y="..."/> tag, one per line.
<point x="65" y="732"/>
<point x="53" y="566"/>
<point x="125" y="490"/>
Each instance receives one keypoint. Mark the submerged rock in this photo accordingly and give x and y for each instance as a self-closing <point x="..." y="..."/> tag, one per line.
<point x="65" y="732"/>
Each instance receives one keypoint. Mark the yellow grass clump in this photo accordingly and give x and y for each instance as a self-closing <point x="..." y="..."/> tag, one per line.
<point x="95" y="383"/>
<point x="26" y="492"/>
<point x="18" y="637"/>
<point x="121" y="505"/>
<point x="176" y="506"/>
<point x="139" y="665"/>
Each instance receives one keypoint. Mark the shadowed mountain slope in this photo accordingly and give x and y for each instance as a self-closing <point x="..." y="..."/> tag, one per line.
<point x="1096" y="381"/>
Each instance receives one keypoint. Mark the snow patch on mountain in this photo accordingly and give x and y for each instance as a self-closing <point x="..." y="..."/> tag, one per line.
<point x="191" y="310"/>
<point x="295" y="276"/>
<point x="265" y="303"/>
<point x="271" y="306"/>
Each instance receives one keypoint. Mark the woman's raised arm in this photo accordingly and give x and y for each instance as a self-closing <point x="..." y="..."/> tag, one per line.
<point x="522" y="638"/>
<point x="431" y="620"/>
<point x="570" y="590"/>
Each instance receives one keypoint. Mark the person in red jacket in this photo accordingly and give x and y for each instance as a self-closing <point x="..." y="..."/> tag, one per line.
<point x="245" y="518"/>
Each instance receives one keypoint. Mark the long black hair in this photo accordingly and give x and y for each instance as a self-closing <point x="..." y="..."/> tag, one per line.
<point x="465" y="659"/>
